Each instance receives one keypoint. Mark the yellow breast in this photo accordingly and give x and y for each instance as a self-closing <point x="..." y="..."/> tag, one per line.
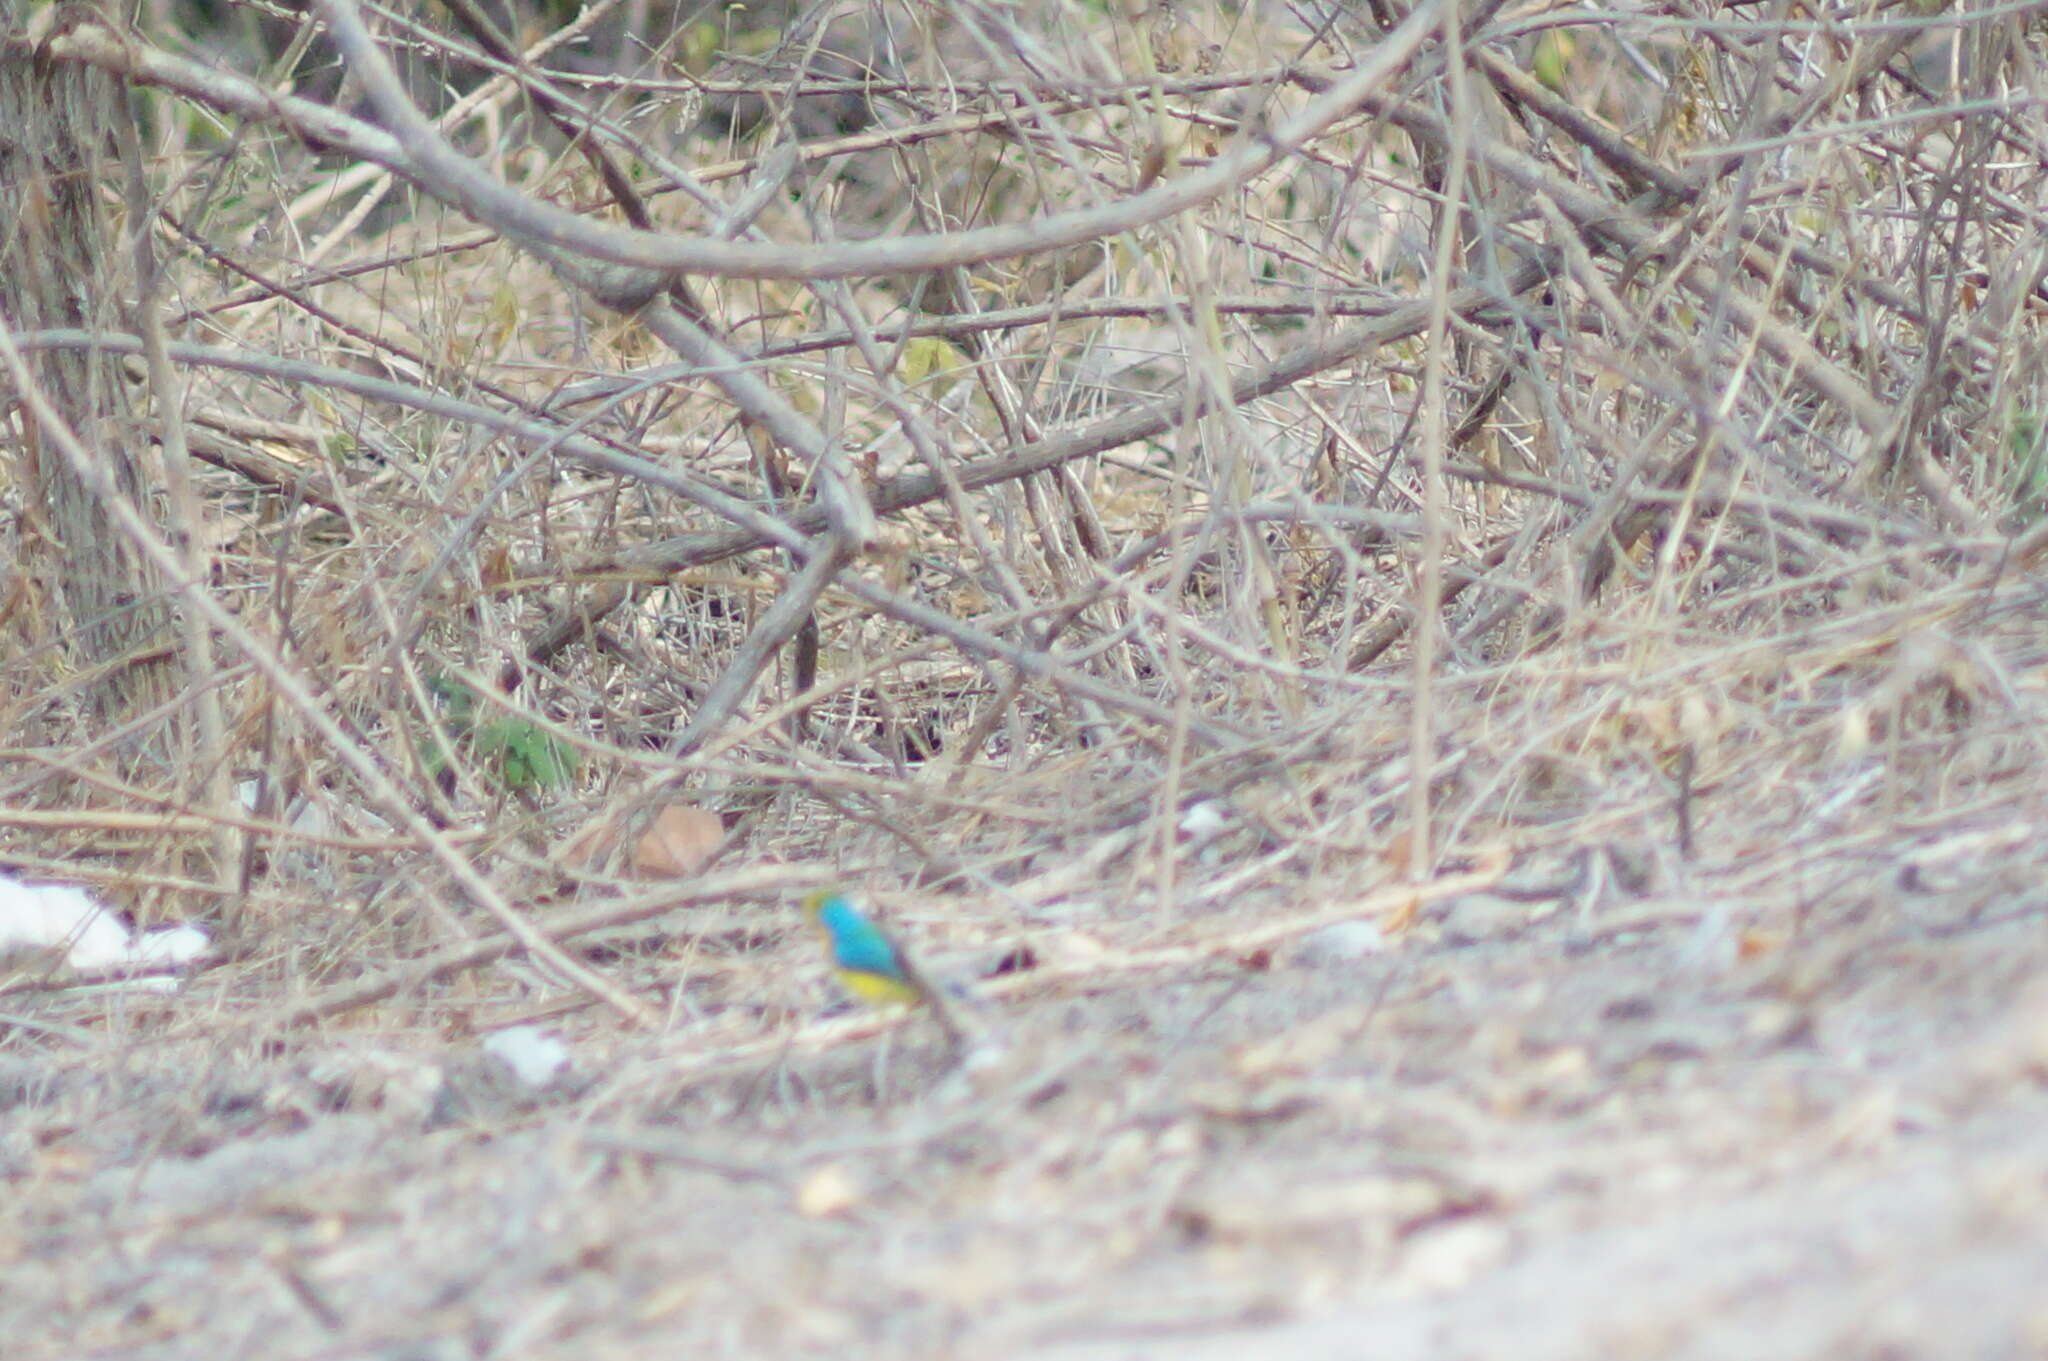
<point x="877" y="990"/>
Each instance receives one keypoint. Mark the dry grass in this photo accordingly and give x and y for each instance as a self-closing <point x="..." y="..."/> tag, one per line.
<point x="1705" y="435"/>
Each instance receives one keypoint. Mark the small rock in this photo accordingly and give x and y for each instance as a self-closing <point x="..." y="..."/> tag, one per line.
<point x="1342" y="944"/>
<point x="534" y="1057"/>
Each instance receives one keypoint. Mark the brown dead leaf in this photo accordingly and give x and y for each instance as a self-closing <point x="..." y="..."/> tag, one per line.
<point x="496" y="568"/>
<point x="677" y="843"/>
<point x="588" y="845"/>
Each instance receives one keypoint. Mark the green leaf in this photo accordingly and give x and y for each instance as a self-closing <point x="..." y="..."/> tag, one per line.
<point x="516" y="753"/>
<point x="525" y="756"/>
<point x="1552" y="60"/>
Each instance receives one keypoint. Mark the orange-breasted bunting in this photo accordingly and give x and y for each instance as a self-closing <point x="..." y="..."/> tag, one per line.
<point x="866" y="961"/>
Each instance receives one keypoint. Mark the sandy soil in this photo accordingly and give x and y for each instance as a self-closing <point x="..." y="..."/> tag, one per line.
<point x="1628" y="1127"/>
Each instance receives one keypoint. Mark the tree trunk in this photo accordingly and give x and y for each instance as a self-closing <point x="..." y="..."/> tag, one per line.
<point x="61" y="265"/>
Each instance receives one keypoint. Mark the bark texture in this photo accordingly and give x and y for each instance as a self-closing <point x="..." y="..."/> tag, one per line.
<point x="62" y="264"/>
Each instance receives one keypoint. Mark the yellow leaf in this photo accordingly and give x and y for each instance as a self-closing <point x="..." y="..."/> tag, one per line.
<point x="929" y="357"/>
<point x="1552" y="59"/>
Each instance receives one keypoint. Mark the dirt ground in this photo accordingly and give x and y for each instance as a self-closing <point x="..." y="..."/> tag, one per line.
<point x="1732" y="1040"/>
<point x="1602" y="1123"/>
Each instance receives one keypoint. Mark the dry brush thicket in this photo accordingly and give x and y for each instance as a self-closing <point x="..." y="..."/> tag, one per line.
<point x="954" y="440"/>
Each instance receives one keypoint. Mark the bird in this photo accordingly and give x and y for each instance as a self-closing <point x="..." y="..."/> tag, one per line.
<point x="865" y="958"/>
<point x="872" y="966"/>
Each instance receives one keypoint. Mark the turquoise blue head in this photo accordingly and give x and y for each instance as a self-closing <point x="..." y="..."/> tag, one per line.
<point x="823" y="907"/>
<point x="857" y="943"/>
